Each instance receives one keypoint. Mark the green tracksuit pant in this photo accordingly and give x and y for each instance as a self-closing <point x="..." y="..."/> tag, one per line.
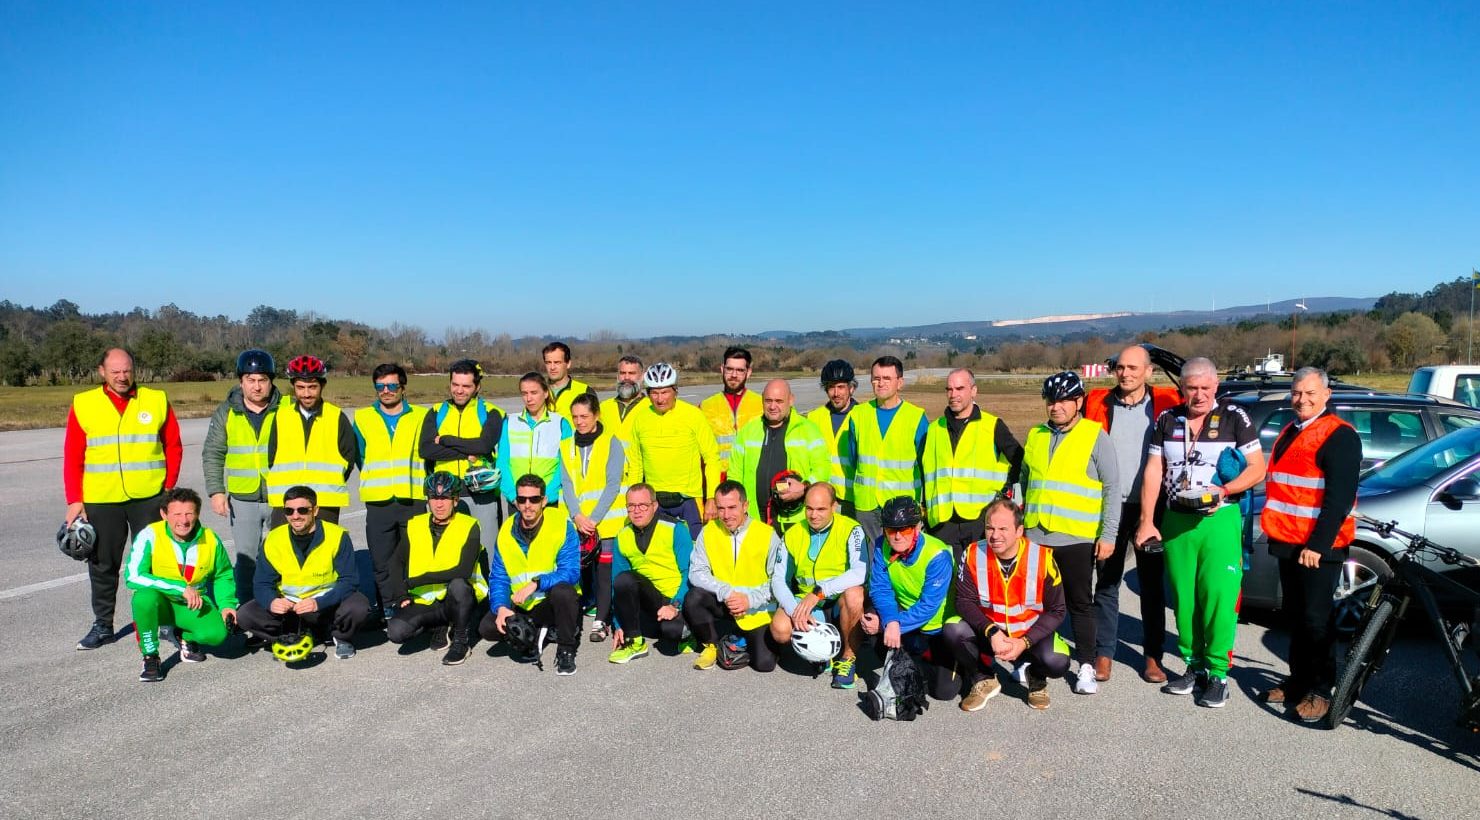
<point x="152" y="608"/>
<point x="1205" y="564"/>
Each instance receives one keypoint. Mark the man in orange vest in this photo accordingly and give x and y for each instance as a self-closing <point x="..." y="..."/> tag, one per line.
<point x="1310" y="492"/>
<point x="1010" y="600"/>
<point x="1128" y="412"/>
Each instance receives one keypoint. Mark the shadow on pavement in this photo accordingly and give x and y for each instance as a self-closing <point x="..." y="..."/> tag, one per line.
<point x="1348" y="800"/>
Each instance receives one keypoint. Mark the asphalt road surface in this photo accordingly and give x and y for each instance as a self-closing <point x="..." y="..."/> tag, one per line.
<point x="393" y="733"/>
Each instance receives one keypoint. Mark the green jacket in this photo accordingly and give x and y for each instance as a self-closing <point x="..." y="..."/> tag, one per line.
<point x="219" y="586"/>
<point x="806" y="453"/>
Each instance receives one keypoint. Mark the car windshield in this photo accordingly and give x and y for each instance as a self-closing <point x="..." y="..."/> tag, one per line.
<point x="1422" y="463"/>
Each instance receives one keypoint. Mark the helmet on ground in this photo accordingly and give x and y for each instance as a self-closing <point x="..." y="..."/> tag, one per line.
<point x="819" y="644"/>
<point x="292" y="647"/>
<point x="836" y="371"/>
<point x="481" y="479"/>
<point x="1062" y="385"/>
<point x="520" y="633"/>
<point x="308" y="367"/>
<point x="255" y="361"/>
<point x="442" y="484"/>
<point x="661" y="374"/>
<point x="899" y="512"/>
<point x="734" y="652"/>
<point x="77" y="540"/>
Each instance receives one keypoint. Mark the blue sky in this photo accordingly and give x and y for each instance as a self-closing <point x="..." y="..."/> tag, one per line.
<point x="649" y="168"/>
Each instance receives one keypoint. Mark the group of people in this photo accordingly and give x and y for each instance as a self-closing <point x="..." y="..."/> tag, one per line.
<point x="733" y="529"/>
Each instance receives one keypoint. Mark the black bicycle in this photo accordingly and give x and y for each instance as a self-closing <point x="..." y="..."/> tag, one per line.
<point x="1390" y="601"/>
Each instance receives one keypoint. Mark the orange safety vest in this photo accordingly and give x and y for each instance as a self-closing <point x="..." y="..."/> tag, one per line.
<point x="1014" y="603"/>
<point x="1294" y="487"/>
<point x="1097" y="404"/>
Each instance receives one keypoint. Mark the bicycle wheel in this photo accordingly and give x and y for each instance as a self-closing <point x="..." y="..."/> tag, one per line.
<point x="1365" y="658"/>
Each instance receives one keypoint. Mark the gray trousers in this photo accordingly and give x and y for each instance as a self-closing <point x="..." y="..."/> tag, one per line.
<point x="248" y="528"/>
<point x="873" y="526"/>
<point x="488" y="509"/>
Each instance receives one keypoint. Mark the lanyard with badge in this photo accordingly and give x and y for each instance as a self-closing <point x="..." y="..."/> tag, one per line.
<point x="1187" y="498"/>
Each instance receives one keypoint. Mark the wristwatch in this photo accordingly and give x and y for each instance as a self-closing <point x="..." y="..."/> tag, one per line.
<point x="1026" y="643"/>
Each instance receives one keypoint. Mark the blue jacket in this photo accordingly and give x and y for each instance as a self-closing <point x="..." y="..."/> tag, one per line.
<point x="937" y="586"/>
<point x="567" y="566"/>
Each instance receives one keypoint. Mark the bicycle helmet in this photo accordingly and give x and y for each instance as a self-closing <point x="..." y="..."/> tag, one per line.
<point x="77" y="540"/>
<point x="835" y="372"/>
<point x="734" y="652"/>
<point x="442" y="484"/>
<point x="661" y="374"/>
<point x="1062" y="385"/>
<point x="255" y="361"/>
<point x="308" y="367"/>
<point x="292" y="647"/>
<point x="819" y="644"/>
<point x="899" y="512"/>
<point x="481" y="479"/>
<point x="521" y="634"/>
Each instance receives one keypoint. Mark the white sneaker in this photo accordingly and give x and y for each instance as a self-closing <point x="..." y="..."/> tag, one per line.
<point x="1085" y="683"/>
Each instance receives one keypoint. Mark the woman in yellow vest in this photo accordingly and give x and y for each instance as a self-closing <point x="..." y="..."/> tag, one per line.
<point x="730" y="581"/>
<point x="594" y="476"/>
<point x="442" y="584"/>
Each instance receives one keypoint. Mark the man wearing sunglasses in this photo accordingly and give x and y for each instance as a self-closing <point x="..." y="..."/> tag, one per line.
<point x="392" y="472"/>
<point x="536" y="569"/>
<point x="305" y="579"/>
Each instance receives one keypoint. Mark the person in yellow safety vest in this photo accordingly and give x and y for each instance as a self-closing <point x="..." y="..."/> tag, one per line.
<point x="594" y="475"/>
<point x="305" y="579"/>
<point x="1010" y="599"/>
<point x="650" y="578"/>
<point x="461" y="435"/>
<point x="831" y="418"/>
<point x="887" y="442"/>
<point x="730" y="581"/>
<point x="1071" y="504"/>
<point x="821" y="567"/>
<point x="970" y="456"/>
<point x="181" y="578"/>
<point x="437" y="579"/>
<point x="731" y="408"/>
<point x="234" y="460"/>
<point x="532" y="440"/>
<point x="535" y="568"/>
<point x="391" y="472"/>
<point x="312" y="444"/>
<point x="675" y="451"/>
<point x="121" y="451"/>
<point x="616" y="412"/>
<point x="563" y="388"/>
<point x="777" y="442"/>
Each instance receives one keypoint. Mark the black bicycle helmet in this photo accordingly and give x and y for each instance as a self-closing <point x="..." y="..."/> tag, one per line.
<point x="442" y="484"/>
<point x="1062" y="385"/>
<point x="255" y="361"/>
<point x="77" y="540"/>
<point x="899" y="512"/>
<point x="521" y="634"/>
<point x="835" y="372"/>
<point x="308" y="367"/>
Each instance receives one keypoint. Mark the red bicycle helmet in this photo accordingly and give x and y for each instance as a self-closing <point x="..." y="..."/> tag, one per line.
<point x="307" y="367"/>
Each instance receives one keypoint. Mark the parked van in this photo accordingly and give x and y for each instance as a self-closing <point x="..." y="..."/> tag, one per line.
<point x="1460" y="382"/>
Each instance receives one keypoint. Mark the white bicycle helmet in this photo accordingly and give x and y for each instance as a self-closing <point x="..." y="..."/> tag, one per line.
<point x="819" y="644"/>
<point x="661" y="374"/>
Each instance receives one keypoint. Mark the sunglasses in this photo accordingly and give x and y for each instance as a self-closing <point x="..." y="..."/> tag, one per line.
<point x="898" y="530"/>
<point x="527" y="499"/>
<point x="297" y="510"/>
<point x="387" y="387"/>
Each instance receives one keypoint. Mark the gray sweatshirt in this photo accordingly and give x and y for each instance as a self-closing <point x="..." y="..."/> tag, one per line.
<point x="702" y="576"/>
<point x="1102" y="468"/>
<point x="615" y="464"/>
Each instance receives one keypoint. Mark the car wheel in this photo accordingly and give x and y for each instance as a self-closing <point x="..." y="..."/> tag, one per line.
<point x="1363" y="571"/>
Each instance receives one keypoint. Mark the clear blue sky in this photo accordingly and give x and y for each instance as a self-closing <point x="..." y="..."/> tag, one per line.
<point x="660" y="168"/>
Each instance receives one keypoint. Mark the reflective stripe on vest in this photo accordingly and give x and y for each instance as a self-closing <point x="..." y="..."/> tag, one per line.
<point x="908" y="580"/>
<point x="1014" y="604"/>
<point x="1295" y="488"/>
<point x="464" y="422"/>
<point x="124" y="459"/>
<point x="841" y="478"/>
<point x="589" y="481"/>
<point x="246" y="452"/>
<point x="746" y="569"/>
<point x="725" y="422"/>
<point x="200" y="553"/>
<point x="316" y="574"/>
<point x="423" y="556"/>
<point x="393" y="466"/>
<point x="964" y="480"/>
<point x="542" y="556"/>
<point x="659" y="564"/>
<point x="886" y="464"/>
<point x="316" y="463"/>
<point x="534" y="448"/>
<point x="1059" y="495"/>
<point x="832" y="559"/>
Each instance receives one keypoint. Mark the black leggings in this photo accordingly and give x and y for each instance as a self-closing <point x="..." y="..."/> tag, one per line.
<point x="116" y="525"/>
<point x="598" y="577"/>
<point x="709" y="619"/>
<point x="1077" y="564"/>
<point x="457" y="608"/>
<point x="636" y="603"/>
<point x="560" y="610"/>
<point x="341" y="621"/>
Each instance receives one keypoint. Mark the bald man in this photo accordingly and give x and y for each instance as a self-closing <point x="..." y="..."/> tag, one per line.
<point x="776" y="456"/>
<point x="970" y="457"/>
<point x="121" y="452"/>
<point x="1128" y="411"/>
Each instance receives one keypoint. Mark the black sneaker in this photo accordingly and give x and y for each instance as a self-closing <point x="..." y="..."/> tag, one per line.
<point x="456" y="654"/>
<point x="190" y="652"/>
<point x="1182" y="684"/>
<point x="152" y="672"/>
<point x="1216" y="695"/>
<point x="565" y="661"/>
<point x="100" y="634"/>
<point x="439" y="638"/>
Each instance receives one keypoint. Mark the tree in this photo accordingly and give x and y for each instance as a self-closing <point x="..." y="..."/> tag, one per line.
<point x="1412" y="339"/>
<point x="18" y="362"/>
<point x="350" y="346"/>
<point x="69" y="350"/>
<point x="159" y="352"/>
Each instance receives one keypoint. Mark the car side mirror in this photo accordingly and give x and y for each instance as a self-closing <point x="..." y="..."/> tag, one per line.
<point x="1465" y="489"/>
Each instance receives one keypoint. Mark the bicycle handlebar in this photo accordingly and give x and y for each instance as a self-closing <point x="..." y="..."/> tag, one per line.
<point x="1416" y="543"/>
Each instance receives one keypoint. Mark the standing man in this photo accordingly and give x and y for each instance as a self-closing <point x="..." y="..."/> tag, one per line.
<point x="1071" y="490"/>
<point x="730" y="581"/>
<point x="970" y="456"/>
<point x="674" y="447"/>
<point x="616" y="412"/>
<point x="1311" y="491"/>
<point x="888" y="443"/>
<point x="436" y="578"/>
<point x="389" y="435"/>
<point x="311" y="444"/>
<point x="733" y="407"/>
<point x="831" y="418"/>
<point x="780" y="441"/>
<point x="120" y="453"/>
<point x="1128" y="412"/>
<point x="234" y="460"/>
<point x="1191" y="448"/>
<point x="563" y="388"/>
<point x="461" y="435"/>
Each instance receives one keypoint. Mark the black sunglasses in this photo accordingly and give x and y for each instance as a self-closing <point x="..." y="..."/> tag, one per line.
<point x="297" y="510"/>
<point x="527" y="499"/>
